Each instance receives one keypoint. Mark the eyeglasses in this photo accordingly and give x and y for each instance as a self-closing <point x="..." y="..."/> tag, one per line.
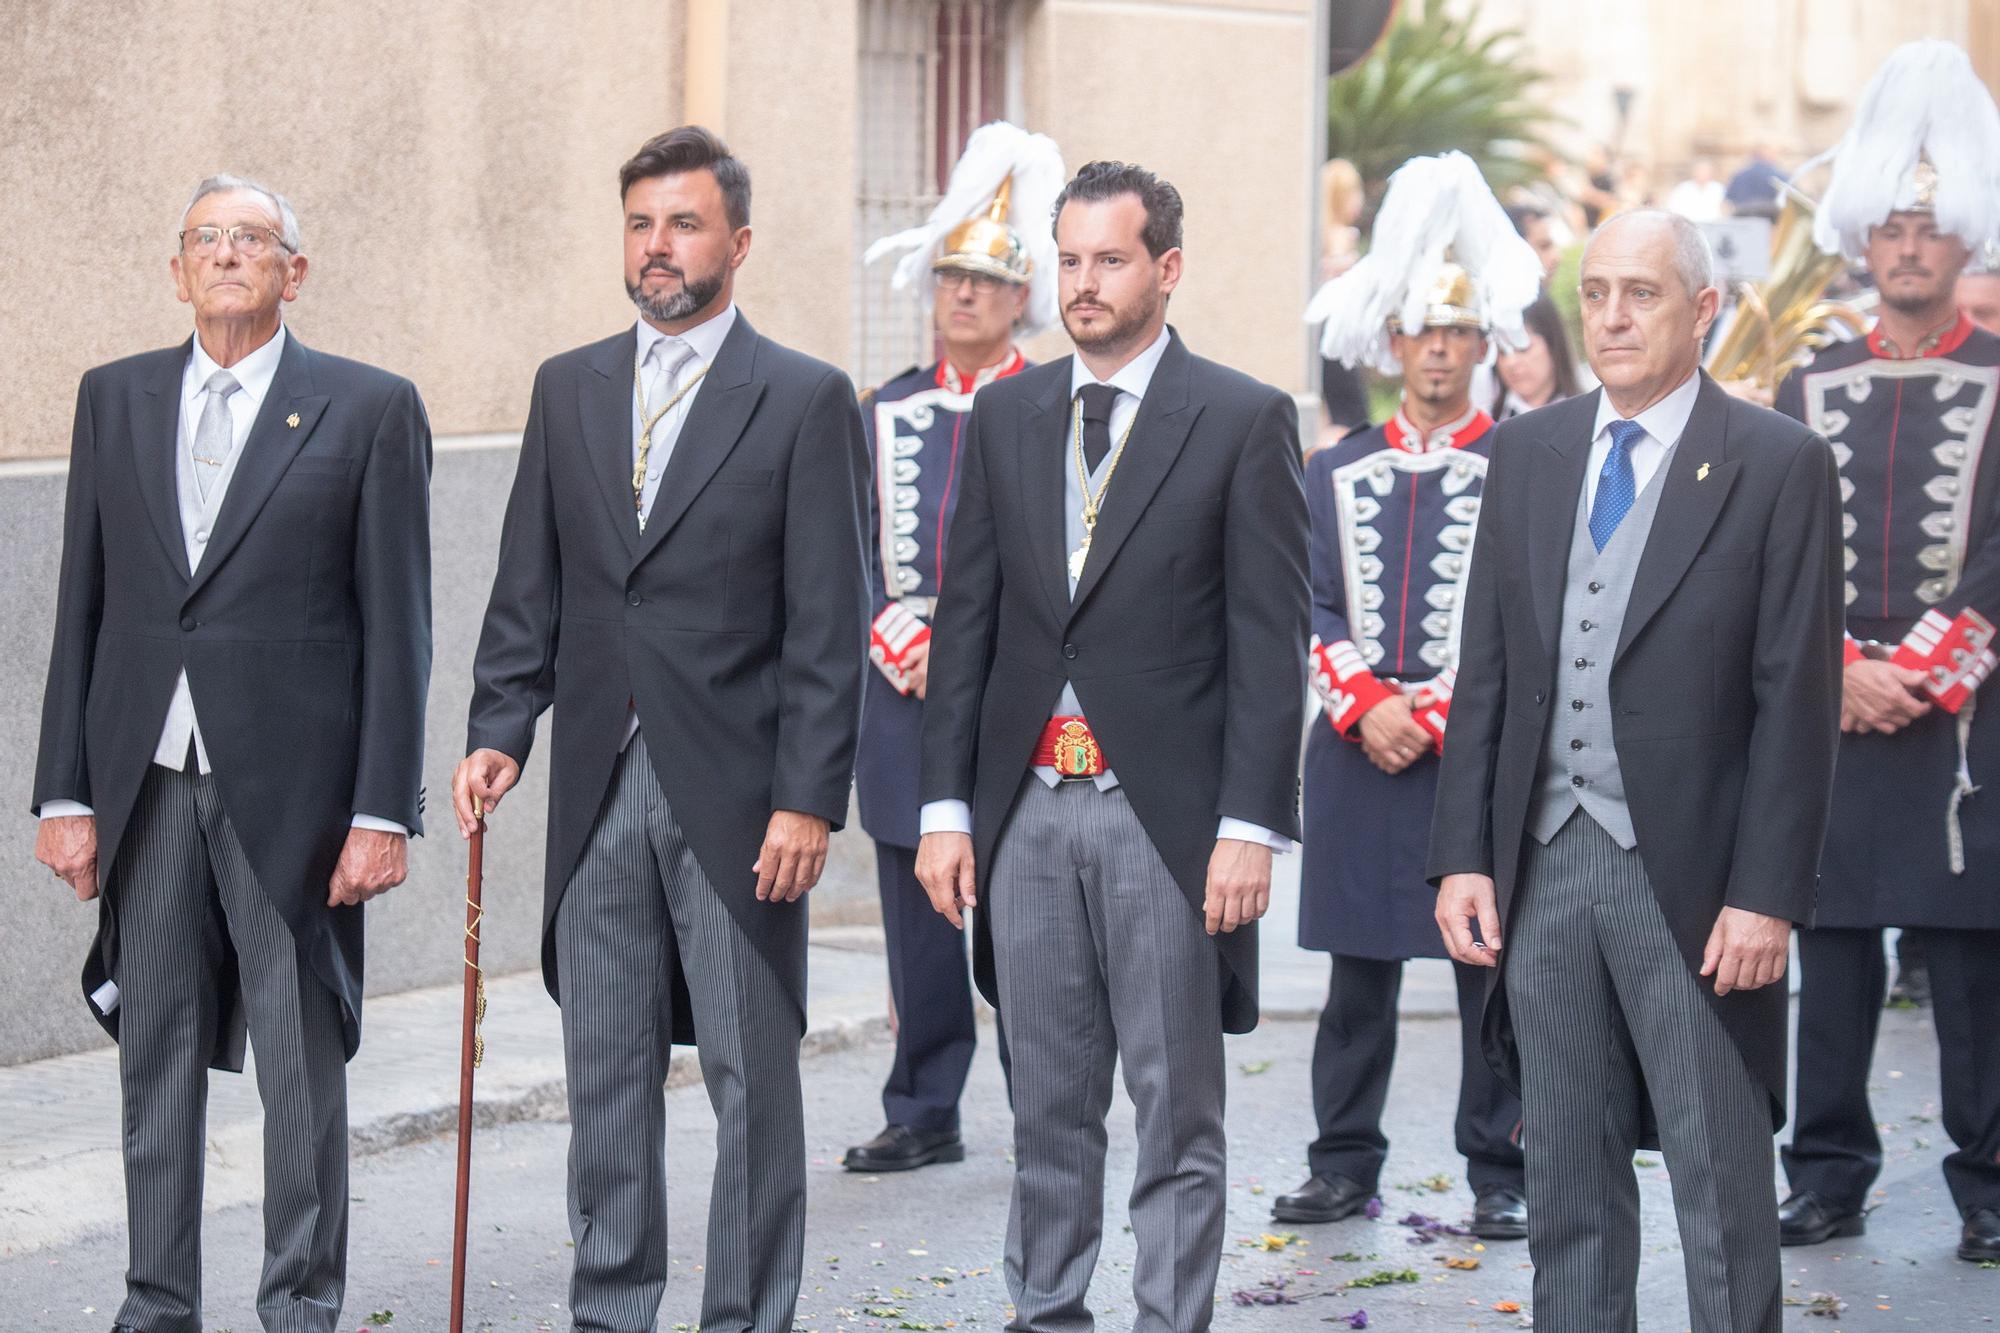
<point x="248" y="239"/>
<point x="951" y="279"/>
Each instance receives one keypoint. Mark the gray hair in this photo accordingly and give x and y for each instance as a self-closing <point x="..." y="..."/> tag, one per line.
<point x="223" y="183"/>
<point x="1694" y="262"/>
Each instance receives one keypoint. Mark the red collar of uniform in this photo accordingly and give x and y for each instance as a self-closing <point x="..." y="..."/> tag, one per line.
<point x="949" y="378"/>
<point x="1939" y="342"/>
<point x="1405" y="436"/>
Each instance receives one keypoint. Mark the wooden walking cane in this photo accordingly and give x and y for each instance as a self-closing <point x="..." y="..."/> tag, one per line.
<point x="471" y="1053"/>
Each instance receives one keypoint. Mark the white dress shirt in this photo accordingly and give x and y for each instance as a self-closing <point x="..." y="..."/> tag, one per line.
<point x="704" y="341"/>
<point x="1131" y="380"/>
<point x="1664" y="421"/>
<point x="198" y="513"/>
<point x="690" y="352"/>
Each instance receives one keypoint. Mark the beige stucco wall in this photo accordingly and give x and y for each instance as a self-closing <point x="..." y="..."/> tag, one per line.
<point x="453" y="165"/>
<point x="786" y="104"/>
<point x="1714" y="76"/>
<point x="1218" y="98"/>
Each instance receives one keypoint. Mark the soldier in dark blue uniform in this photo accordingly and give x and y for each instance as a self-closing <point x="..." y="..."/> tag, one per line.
<point x="1393" y="513"/>
<point x="1913" y="412"/>
<point x="986" y="261"/>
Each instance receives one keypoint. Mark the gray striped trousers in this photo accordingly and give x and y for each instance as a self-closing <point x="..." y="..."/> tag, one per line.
<point x="635" y="895"/>
<point x="183" y="896"/>
<point x="1607" y="1012"/>
<point x="1101" y="957"/>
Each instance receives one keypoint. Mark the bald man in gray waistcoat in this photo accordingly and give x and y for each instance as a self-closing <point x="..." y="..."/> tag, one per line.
<point x="1630" y="812"/>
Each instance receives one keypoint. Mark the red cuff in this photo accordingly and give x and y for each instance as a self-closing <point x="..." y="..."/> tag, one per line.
<point x="1430" y="705"/>
<point x="896" y="632"/>
<point x="1850" y="651"/>
<point x="1956" y="656"/>
<point x="1347" y="688"/>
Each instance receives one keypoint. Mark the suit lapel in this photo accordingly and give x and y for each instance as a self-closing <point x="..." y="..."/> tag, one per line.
<point x="604" y="411"/>
<point x="1699" y="475"/>
<point x="1158" y="434"/>
<point x="1044" y="458"/>
<point x="272" y="444"/>
<point x="1560" y="463"/>
<point x="156" y="439"/>
<point x="723" y="405"/>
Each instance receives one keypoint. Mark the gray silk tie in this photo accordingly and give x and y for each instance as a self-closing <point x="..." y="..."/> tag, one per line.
<point x="673" y="360"/>
<point x="212" y="435"/>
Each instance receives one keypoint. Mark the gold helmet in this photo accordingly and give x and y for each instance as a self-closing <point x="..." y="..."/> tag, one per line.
<point x="993" y="219"/>
<point x="1451" y="302"/>
<point x="984" y="243"/>
<point x="1443" y="255"/>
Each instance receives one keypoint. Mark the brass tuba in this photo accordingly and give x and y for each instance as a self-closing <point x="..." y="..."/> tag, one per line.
<point x="1779" y="323"/>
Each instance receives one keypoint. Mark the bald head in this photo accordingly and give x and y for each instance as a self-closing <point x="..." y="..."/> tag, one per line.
<point x="1648" y="295"/>
<point x="1693" y="262"/>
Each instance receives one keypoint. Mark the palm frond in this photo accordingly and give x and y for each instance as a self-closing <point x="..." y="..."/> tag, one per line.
<point x="1435" y="84"/>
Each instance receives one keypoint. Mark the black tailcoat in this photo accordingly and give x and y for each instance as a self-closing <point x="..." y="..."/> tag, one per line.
<point x="305" y="634"/>
<point x="1182" y="640"/>
<point x="736" y="622"/>
<point x="1725" y="684"/>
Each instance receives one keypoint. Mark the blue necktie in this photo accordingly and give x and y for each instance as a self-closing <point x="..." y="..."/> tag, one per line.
<point x="1617" y="487"/>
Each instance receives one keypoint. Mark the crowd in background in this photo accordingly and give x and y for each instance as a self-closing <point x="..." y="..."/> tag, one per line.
<point x="1556" y="216"/>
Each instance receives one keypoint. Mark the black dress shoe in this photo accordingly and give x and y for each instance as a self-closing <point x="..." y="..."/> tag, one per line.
<point x="900" y="1148"/>
<point x="1979" y="1243"/>
<point x="1807" y="1218"/>
<point x="1500" y="1213"/>
<point x="1322" y="1199"/>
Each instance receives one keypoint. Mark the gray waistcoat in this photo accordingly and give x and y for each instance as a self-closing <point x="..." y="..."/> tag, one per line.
<point x="1579" y="763"/>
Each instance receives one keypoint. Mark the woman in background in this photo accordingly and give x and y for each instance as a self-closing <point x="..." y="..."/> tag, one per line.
<point x="1541" y="373"/>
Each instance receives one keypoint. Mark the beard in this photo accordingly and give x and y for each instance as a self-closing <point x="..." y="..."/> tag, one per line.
<point x="1914" y="300"/>
<point x="695" y="292"/>
<point x="1434" y="393"/>
<point x="1126" y="324"/>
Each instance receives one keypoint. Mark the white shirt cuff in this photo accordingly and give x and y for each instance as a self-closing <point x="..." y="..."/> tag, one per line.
<point x="1242" y="830"/>
<point x="945" y="817"/>
<point x="379" y="825"/>
<point x="64" y="809"/>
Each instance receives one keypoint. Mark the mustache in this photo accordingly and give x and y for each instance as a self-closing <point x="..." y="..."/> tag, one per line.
<point x="661" y="266"/>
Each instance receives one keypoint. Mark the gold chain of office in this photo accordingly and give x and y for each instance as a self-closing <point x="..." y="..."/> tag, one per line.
<point x="648" y="420"/>
<point x="1092" y="503"/>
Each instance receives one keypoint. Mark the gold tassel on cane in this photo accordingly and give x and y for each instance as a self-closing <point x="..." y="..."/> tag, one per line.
<point x="476" y="914"/>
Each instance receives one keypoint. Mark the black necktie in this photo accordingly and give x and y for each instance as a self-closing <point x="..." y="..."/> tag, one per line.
<point x="1097" y="401"/>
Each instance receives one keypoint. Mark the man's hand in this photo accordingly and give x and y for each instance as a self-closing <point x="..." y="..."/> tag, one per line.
<point x="944" y="868"/>
<point x="485" y="775"/>
<point x="67" y="844"/>
<point x="1880" y="696"/>
<point x="1462" y="900"/>
<point x="917" y="666"/>
<point x="1391" y="737"/>
<point x="1239" y="885"/>
<point x="1746" y="950"/>
<point x="793" y="855"/>
<point x="371" y="862"/>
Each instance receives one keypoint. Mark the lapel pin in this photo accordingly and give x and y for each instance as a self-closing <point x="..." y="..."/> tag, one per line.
<point x="1700" y="473"/>
<point x="293" y="422"/>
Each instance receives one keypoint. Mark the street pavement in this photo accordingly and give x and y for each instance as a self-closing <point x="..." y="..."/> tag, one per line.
<point x="917" y="1251"/>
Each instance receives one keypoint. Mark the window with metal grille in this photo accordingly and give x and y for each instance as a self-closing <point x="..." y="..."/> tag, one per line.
<point x="932" y="71"/>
